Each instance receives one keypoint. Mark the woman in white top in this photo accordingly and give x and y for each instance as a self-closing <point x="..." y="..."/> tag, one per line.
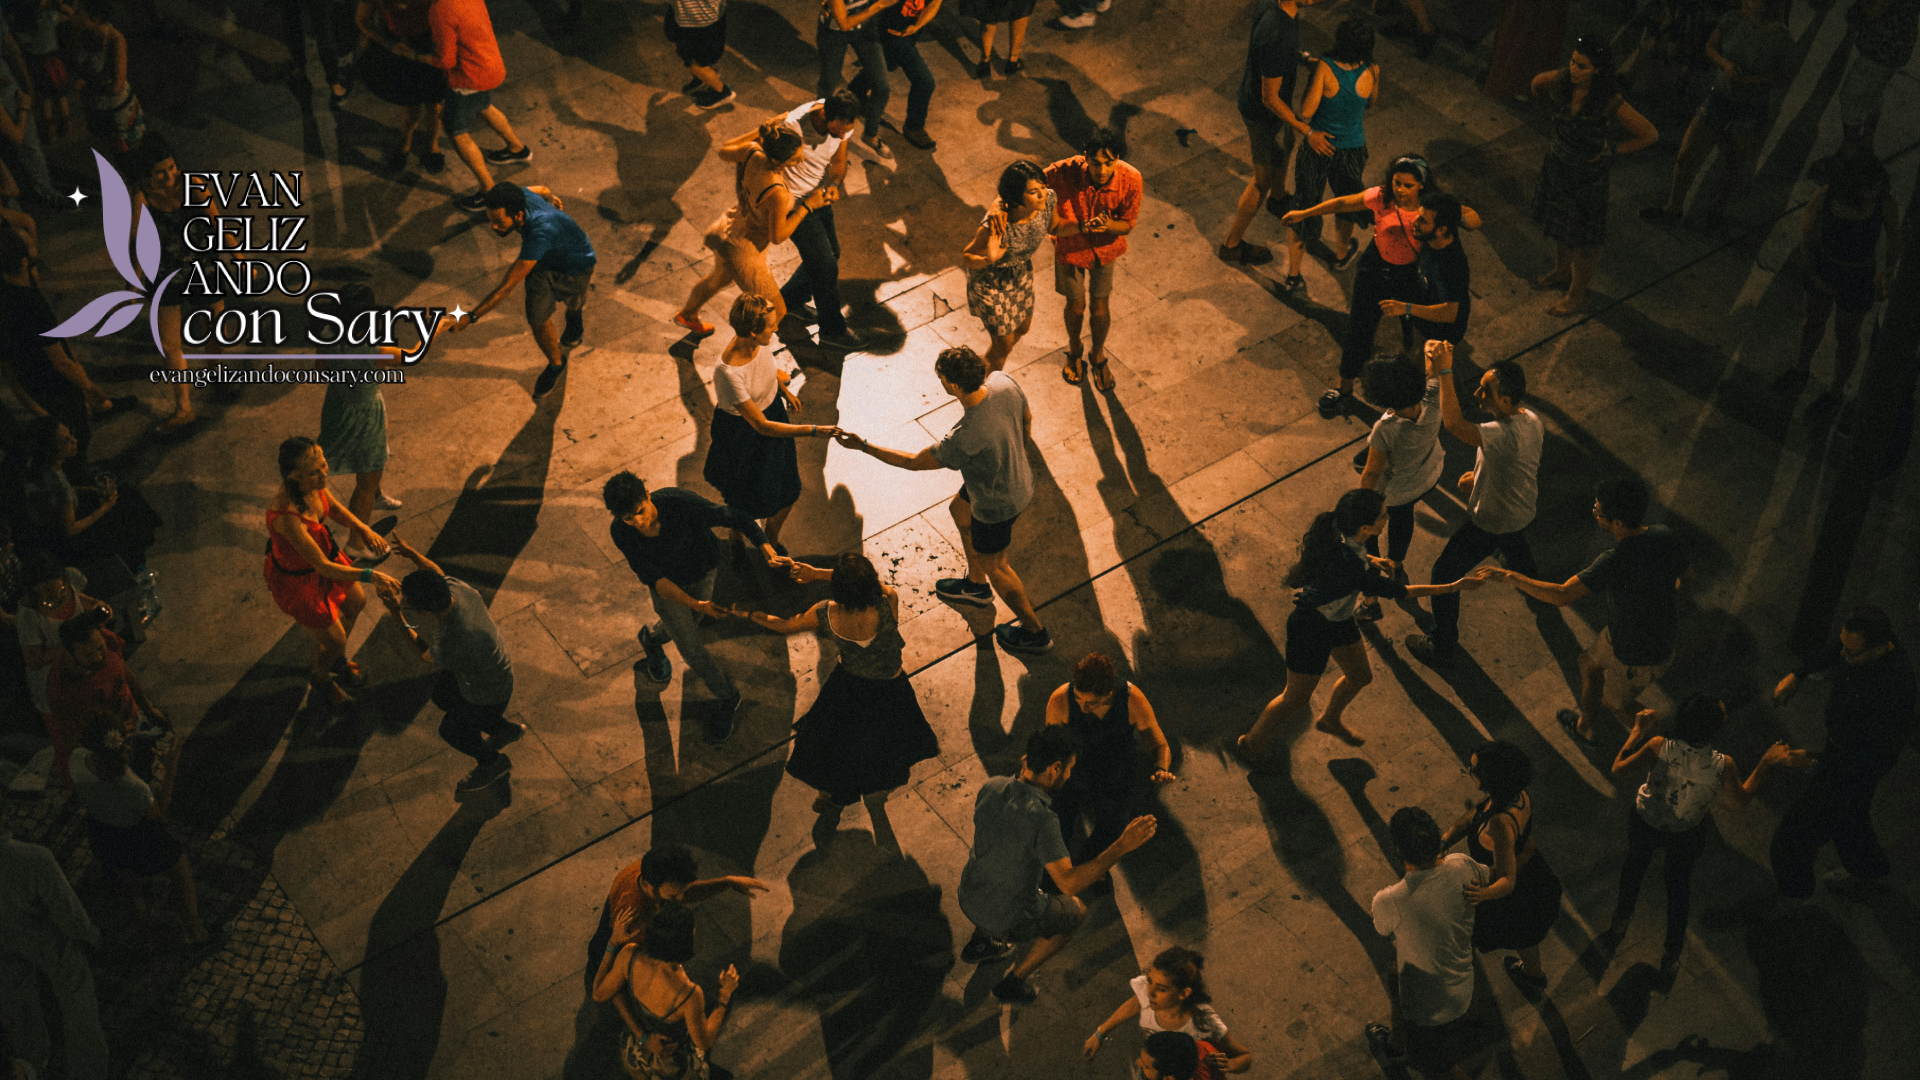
<point x="1687" y="775"/>
<point x="1171" y="995"/>
<point x="1403" y="456"/>
<point x="752" y="462"/>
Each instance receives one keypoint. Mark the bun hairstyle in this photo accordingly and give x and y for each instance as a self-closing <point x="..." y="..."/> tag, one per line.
<point x="778" y="141"/>
<point x="1183" y="968"/>
<point x="292" y="452"/>
<point x="750" y="314"/>
<point x="1325" y="542"/>
<point x="856" y="584"/>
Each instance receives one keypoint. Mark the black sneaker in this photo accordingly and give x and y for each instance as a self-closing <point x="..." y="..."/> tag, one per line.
<point x="845" y="340"/>
<point x="918" y="138"/>
<point x="983" y="949"/>
<point x="1294" y="283"/>
<point x="1018" y="639"/>
<point x="1334" y="404"/>
<point x="962" y="591"/>
<point x="575" y="330"/>
<point x="504" y="156"/>
<point x="692" y="85"/>
<point x="475" y="203"/>
<point x="1369" y="611"/>
<point x="1380" y="1038"/>
<point x="1246" y="254"/>
<point x="719" y="725"/>
<point x="484" y="776"/>
<point x="549" y="378"/>
<point x="508" y="734"/>
<point x="708" y="98"/>
<point x="657" y="667"/>
<point x="1430" y="652"/>
<point x="1015" y="990"/>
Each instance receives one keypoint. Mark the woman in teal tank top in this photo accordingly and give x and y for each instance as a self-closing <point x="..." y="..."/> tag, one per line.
<point x="1343" y="87"/>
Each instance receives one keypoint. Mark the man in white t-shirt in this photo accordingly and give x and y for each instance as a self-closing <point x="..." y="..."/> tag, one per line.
<point x="1501" y="490"/>
<point x="812" y="294"/>
<point x="1429" y="915"/>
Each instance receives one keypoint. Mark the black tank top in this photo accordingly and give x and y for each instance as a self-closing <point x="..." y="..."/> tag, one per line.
<point x="1487" y="813"/>
<point x="1106" y="743"/>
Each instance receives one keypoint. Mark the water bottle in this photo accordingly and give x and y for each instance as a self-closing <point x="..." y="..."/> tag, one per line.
<point x="149" y="594"/>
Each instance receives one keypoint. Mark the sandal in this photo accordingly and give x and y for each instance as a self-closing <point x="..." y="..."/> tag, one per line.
<point x="698" y="327"/>
<point x="1074" y="371"/>
<point x="1102" y="376"/>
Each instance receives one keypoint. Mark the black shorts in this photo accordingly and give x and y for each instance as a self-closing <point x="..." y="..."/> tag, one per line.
<point x="1434" y="1051"/>
<point x="698" y="46"/>
<point x="1061" y="916"/>
<point x="989" y="538"/>
<point x="1312" y="637"/>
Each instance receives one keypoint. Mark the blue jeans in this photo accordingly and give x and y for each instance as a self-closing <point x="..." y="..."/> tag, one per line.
<point x="818" y="279"/>
<point x="833" y="45"/>
<point x="904" y="53"/>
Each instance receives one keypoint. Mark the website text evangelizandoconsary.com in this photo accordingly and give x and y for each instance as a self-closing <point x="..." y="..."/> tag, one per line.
<point x="220" y="373"/>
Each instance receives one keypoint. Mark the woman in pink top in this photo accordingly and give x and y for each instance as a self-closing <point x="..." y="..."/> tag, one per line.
<point x="1389" y="274"/>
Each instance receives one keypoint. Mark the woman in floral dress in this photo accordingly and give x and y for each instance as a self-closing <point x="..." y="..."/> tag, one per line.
<point x="999" y="260"/>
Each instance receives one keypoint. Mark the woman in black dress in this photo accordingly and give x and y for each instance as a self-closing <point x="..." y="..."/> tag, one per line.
<point x="865" y="732"/>
<point x="393" y="32"/>
<point x="1104" y="711"/>
<point x="1570" y="205"/>
<point x="1517" y="907"/>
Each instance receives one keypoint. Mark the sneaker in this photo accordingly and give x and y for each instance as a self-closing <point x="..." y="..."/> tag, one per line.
<point x="1430" y="652"/>
<point x="1014" y="989"/>
<point x="983" y="949"/>
<point x="1294" y="283"/>
<point x="475" y="203"/>
<point x="1011" y="66"/>
<point x="575" y="330"/>
<point x="692" y="85"/>
<point x="387" y="502"/>
<point x="983" y="69"/>
<point x="719" y="725"/>
<point x="962" y="591"/>
<point x="504" y="156"/>
<point x="508" y="735"/>
<point x="548" y="379"/>
<point x="1018" y="639"/>
<point x="876" y="149"/>
<point x="1073" y="22"/>
<point x="1246" y="254"/>
<point x="708" y="98"/>
<point x="1333" y="404"/>
<point x="657" y="667"/>
<point x="435" y="162"/>
<point x="918" y="138"/>
<point x="484" y="776"/>
<point x="846" y="340"/>
<point x="1380" y="1038"/>
<point x="696" y="327"/>
<point x="1530" y="985"/>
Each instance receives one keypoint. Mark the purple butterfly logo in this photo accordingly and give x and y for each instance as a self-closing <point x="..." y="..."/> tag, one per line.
<point x="108" y="314"/>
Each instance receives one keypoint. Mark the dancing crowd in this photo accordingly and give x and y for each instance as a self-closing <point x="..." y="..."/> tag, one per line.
<point x="1046" y="838"/>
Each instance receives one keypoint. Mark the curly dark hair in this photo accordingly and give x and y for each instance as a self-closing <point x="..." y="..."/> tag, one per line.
<point x="856" y="584"/>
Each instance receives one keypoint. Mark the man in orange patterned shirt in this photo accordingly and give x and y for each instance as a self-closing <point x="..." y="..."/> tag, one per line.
<point x="1099" y="201"/>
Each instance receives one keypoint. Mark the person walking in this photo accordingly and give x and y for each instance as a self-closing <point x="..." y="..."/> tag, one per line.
<point x="1570" y="203"/>
<point x="813" y="292"/>
<point x="1838" y="239"/>
<point x="1266" y="105"/>
<point x="1171" y="996"/>
<point x="667" y="538"/>
<point x="45" y="934"/>
<point x="353" y="423"/>
<point x="1755" y="56"/>
<point x="698" y="30"/>
<point x="899" y="28"/>
<point x="1330" y="578"/>
<point x="843" y="27"/>
<point x="306" y="573"/>
<point x="999" y="259"/>
<point x="1098" y="198"/>
<point x="1869" y="719"/>
<point x="991" y="13"/>
<point x="1403" y="460"/>
<point x="988" y="447"/>
<point x="556" y="261"/>
<point x="394" y="34"/>
<point x="475" y="686"/>
<point x="751" y="460"/>
<point x="333" y="40"/>
<point x="126" y="831"/>
<point x="1686" y="775"/>
<point x="1343" y="87"/>
<point x="1016" y="841"/>
<point x="1429" y="915"/>
<point x="669" y="1030"/>
<point x="1518" y="905"/>
<point x="739" y="238"/>
<point x="1502" y="491"/>
<point x="1641" y="576"/>
<point x="865" y="732"/>
<point x="464" y="47"/>
<point x="1108" y="715"/>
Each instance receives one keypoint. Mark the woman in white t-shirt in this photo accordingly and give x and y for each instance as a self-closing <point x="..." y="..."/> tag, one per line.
<point x="752" y="462"/>
<point x="1171" y="995"/>
<point x="1687" y="775"/>
<point x="1403" y="456"/>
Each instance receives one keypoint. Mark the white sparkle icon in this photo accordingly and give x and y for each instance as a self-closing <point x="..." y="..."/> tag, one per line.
<point x="78" y="196"/>
<point x="459" y="313"/>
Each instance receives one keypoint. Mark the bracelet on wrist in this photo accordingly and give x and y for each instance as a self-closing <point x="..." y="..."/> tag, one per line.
<point x="366" y="574"/>
<point x="1444" y="371"/>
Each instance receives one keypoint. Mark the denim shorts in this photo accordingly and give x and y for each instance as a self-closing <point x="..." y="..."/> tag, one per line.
<point x="461" y="112"/>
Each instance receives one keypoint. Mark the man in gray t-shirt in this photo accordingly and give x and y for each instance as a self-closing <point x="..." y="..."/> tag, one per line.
<point x="988" y="447"/>
<point x="476" y="675"/>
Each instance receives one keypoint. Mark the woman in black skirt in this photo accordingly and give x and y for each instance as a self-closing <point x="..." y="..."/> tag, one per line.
<point x="865" y="731"/>
<point x="1332" y="575"/>
<point x="1517" y="907"/>
<point x="752" y="462"/>
<point x="393" y="33"/>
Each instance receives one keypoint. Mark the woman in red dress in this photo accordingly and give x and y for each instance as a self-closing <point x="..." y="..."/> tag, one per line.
<point x="308" y="577"/>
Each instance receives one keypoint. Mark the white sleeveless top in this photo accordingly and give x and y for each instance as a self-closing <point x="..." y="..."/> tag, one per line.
<point x="1682" y="786"/>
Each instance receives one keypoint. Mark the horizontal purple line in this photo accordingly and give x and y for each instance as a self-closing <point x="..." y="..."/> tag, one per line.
<point x="285" y="356"/>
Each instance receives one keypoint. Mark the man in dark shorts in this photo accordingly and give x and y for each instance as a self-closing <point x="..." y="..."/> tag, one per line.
<point x="556" y="261"/>
<point x="1266" y="104"/>
<point x="698" y="30"/>
<point x="988" y="446"/>
<point x="1444" y="270"/>
<point x="1641" y="577"/>
<point x="1016" y="838"/>
<point x="465" y="48"/>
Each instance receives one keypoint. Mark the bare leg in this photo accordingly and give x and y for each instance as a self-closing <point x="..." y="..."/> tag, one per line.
<point x="497" y="120"/>
<point x="1355" y="674"/>
<point x="1003" y="345"/>
<point x="366" y="486"/>
<point x="330" y="643"/>
<point x="1593" y="696"/>
<point x="1562" y="273"/>
<point x="469" y="152"/>
<point x="706" y="288"/>
<point x="774" y="524"/>
<point x="189" y="902"/>
<point x="1045" y="947"/>
<point x="1530" y="961"/>
<point x="1018" y="40"/>
<point x="1255" y="193"/>
<point x="1693" y="150"/>
<point x="1292" y="705"/>
<point x="708" y="77"/>
<point x="1582" y="263"/>
<point x="1418" y="8"/>
<point x="434" y="128"/>
<point x="547" y="336"/>
<point x="1100" y="317"/>
<point x="410" y="125"/>
<point x="1076" y="313"/>
<point x="992" y="569"/>
<point x="987" y="33"/>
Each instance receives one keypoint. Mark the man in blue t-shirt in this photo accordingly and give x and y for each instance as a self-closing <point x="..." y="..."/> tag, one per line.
<point x="556" y="261"/>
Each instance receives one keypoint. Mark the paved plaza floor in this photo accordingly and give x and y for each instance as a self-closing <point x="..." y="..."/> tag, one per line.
<point x="370" y="925"/>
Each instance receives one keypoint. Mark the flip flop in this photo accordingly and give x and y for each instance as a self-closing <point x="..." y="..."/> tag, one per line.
<point x="1102" y="376"/>
<point x="1074" y="371"/>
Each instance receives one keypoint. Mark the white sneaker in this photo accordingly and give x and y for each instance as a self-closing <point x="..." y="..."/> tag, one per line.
<point x="387" y="502"/>
<point x="1074" y="22"/>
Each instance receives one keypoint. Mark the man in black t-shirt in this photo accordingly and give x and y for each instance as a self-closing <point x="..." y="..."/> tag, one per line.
<point x="1442" y="314"/>
<point x="1266" y="104"/>
<point x="1641" y="577"/>
<point x="41" y="371"/>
